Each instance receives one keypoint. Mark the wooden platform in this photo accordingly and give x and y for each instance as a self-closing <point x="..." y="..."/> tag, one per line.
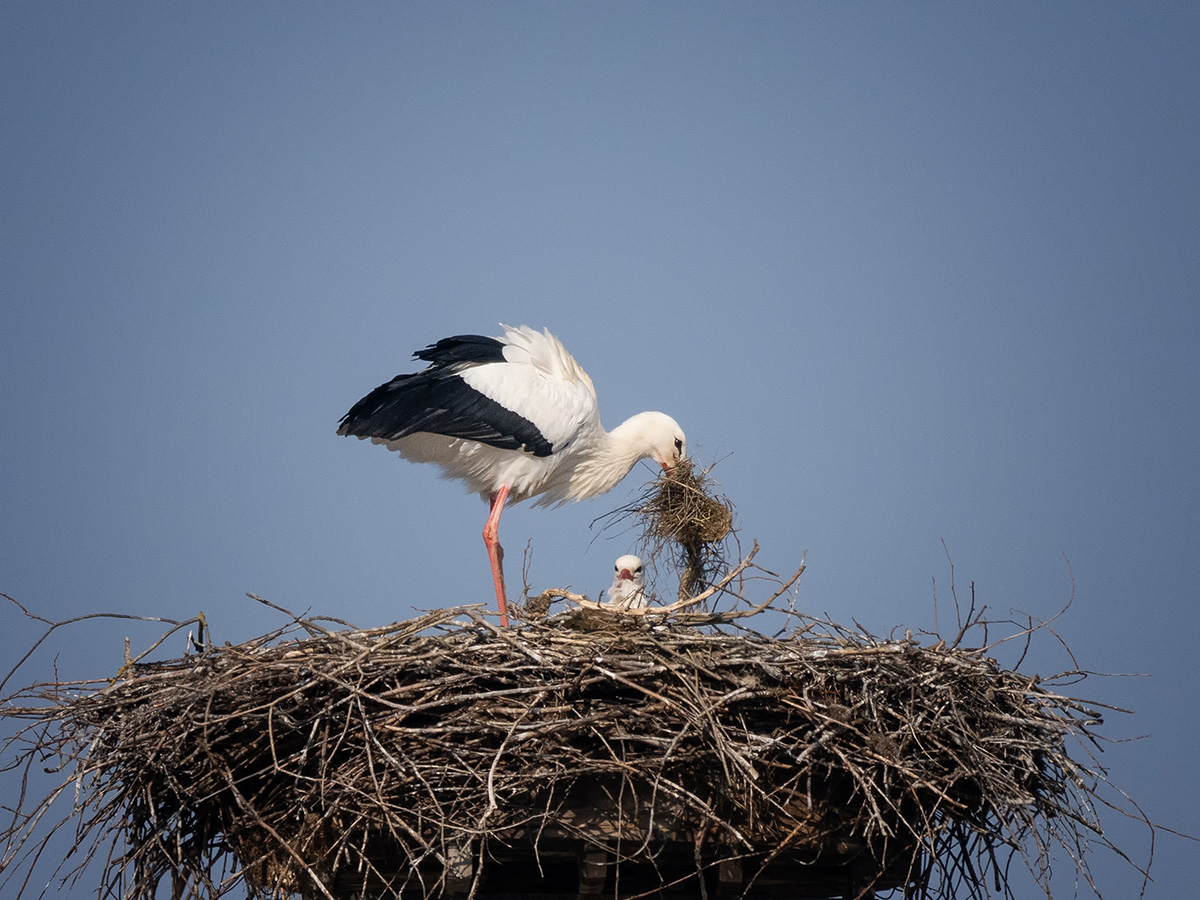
<point x="555" y="865"/>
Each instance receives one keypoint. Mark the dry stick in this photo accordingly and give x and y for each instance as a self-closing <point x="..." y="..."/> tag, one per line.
<point x="732" y="615"/>
<point x="491" y="777"/>
<point x="176" y="626"/>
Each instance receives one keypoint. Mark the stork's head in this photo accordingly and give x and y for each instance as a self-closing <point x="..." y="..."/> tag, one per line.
<point x="629" y="568"/>
<point x="664" y="439"/>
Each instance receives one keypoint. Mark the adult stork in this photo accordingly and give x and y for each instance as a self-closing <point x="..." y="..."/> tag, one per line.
<point x="514" y="417"/>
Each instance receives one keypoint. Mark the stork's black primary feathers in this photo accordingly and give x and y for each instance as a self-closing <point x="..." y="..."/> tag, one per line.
<point x="463" y="348"/>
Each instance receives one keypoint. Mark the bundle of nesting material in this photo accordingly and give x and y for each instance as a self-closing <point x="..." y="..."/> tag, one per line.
<point x="680" y="511"/>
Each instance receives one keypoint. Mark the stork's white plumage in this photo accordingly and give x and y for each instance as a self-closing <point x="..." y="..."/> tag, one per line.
<point x="514" y="417"/>
<point x="628" y="589"/>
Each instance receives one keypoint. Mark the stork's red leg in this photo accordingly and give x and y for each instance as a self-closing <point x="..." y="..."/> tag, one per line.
<point x="496" y="552"/>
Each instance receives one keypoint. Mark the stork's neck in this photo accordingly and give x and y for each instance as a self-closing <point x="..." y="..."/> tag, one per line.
<point x="614" y="454"/>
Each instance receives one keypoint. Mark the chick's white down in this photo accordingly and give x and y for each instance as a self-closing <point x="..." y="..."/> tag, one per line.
<point x="628" y="589"/>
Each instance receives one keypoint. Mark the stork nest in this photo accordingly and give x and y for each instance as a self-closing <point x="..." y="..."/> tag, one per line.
<point x="422" y="757"/>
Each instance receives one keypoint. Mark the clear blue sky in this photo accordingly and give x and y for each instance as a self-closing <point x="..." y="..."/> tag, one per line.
<point x="912" y="272"/>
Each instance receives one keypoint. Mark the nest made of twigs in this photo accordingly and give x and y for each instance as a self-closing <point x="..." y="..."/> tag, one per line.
<point x="416" y="758"/>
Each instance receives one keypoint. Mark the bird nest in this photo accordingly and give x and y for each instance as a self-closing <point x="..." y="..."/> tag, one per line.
<point x="662" y="754"/>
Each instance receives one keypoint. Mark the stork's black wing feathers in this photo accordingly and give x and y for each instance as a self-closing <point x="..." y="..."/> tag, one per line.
<point x="463" y="348"/>
<point x="438" y="401"/>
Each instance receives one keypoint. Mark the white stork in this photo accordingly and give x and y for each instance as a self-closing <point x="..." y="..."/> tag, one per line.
<point x="628" y="589"/>
<point x="514" y="417"/>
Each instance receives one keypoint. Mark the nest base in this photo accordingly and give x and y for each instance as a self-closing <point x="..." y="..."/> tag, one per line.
<point x="560" y="865"/>
<point x="445" y="757"/>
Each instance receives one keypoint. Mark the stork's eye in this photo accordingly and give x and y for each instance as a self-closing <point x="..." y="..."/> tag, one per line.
<point x="638" y="570"/>
<point x="678" y="446"/>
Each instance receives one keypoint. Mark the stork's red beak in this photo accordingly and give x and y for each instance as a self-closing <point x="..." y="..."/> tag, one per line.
<point x="625" y="575"/>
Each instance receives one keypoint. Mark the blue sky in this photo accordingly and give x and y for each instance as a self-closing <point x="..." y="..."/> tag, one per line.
<point x="913" y="273"/>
